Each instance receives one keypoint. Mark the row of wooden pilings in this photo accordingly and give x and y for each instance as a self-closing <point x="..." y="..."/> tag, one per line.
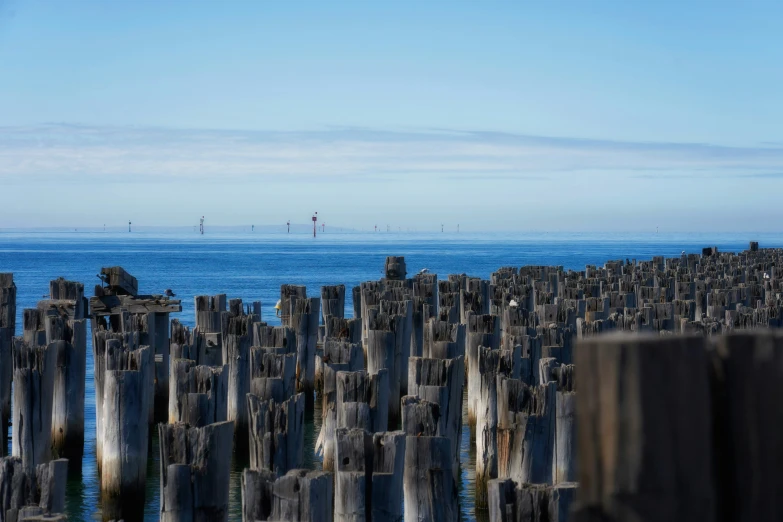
<point x="390" y="385"/>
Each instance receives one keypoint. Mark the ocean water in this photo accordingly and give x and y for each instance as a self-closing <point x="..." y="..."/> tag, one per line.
<point x="252" y="266"/>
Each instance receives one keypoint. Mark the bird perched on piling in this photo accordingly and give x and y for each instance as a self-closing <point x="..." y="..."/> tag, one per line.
<point x="169" y="293"/>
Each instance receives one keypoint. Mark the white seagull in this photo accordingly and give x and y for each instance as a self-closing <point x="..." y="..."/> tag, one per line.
<point x="424" y="271"/>
<point x="513" y="303"/>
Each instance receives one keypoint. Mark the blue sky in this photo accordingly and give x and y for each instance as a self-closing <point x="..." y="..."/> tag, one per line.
<point x="565" y="115"/>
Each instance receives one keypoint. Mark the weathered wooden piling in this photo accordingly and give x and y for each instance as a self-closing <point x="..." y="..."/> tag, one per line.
<point x="32" y="493"/>
<point x="69" y="340"/>
<point x="268" y="365"/>
<point x="353" y="475"/>
<point x="644" y="451"/>
<point x="482" y="330"/>
<point x="303" y="496"/>
<point x="526" y="431"/>
<point x="509" y="502"/>
<point x="381" y="348"/>
<point x="387" y="476"/>
<point x="362" y="400"/>
<point x="430" y="492"/>
<point x="237" y="350"/>
<point x="276" y="433"/>
<point x="304" y="322"/>
<point x="188" y="382"/>
<point x="441" y="381"/>
<point x="332" y="302"/>
<point x="195" y="467"/>
<point x="124" y="452"/>
<point x="34" y="372"/>
<point x="288" y="294"/>
<point x="7" y="333"/>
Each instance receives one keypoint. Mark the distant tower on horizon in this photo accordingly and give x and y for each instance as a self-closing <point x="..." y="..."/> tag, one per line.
<point x="441" y="227"/>
<point x="129" y="224"/>
<point x="323" y="227"/>
<point x="201" y="225"/>
<point x="315" y="223"/>
<point x="376" y="228"/>
<point x="289" y="226"/>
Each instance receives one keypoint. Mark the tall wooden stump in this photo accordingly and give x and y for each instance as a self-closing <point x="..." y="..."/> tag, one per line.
<point x="34" y="371"/>
<point x="32" y="493"/>
<point x="381" y="347"/>
<point x="482" y="330"/>
<point x="195" y="468"/>
<point x="441" y="381"/>
<point x="303" y="496"/>
<point x="304" y="321"/>
<point x="526" y="431"/>
<point x="645" y="434"/>
<point x="429" y="487"/>
<point x="187" y="382"/>
<point x="332" y="301"/>
<point x="238" y="351"/>
<point x="7" y="332"/>
<point x="276" y="434"/>
<point x="69" y="391"/>
<point x="387" y="476"/>
<point x="267" y="365"/>
<point x="124" y="457"/>
<point x="353" y="476"/>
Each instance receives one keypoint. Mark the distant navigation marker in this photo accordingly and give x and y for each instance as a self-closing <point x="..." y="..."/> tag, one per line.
<point x="289" y="226"/>
<point x="315" y="221"/>
<point x="201" y="225"/>
<point x="129" y="224"/>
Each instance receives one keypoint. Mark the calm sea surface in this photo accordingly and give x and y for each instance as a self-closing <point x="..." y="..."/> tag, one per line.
<point x="252" y="266"/>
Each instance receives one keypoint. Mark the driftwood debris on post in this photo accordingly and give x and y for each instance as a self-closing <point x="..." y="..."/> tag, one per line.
<point x="195" y="467"/>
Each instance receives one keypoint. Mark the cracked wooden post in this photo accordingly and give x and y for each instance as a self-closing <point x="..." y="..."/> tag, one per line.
<point x="304" y="322"/>
<point x="381" y="348"/>
<point x="482" y="330"/>
<point x="32" y="493"/>
<point x="209" y="329"/>
<point x="428" y="482"/>
<point x="332" y="302"/>
<point x="303" y="496"/>
<point x="362" y="400"/>
<point x="69" y="389"/>
<point x="187" y="382"/>
<point x="353" y="475"/>
<point x="7" y="333"/>
<point x="526" y="431"/>
<point x="486" y="413"/>
<point x="276" y="433"/>
<point x="274" y="366"/>
<point x="124" y="462"/>
<point x="565" y="427"/>
<point x="403" y="332"/>
<point x="34" y="371"/>
<point x="387" y="476"/>
<point x="441" y="381"/>
<point x="289" y="293"/>
<point x="195" y="469"/>
<point x="663" y="440"/>
<point x="509" y="502"/>
<point x="237" y="346"/>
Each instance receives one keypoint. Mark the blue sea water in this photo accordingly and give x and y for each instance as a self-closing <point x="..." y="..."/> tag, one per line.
<point x="252" y="266"/>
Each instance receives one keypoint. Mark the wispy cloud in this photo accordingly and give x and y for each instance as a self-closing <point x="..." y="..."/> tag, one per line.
<point x="61" y="150"/>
